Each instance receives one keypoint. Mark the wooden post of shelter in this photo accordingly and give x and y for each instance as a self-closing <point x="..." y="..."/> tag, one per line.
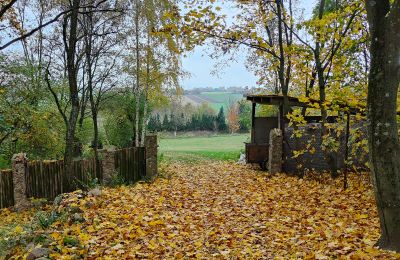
<point x="253" y="115"/>
<point x="346" y="151"/>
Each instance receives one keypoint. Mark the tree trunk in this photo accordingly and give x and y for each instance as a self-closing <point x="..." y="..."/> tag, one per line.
<point x="281" y="71"/>
<point x="137" y="94"/>
<point x="89" y="71"/>
<point x="384" y="148"/>
<point x="70" y="41"/>
<point x="95" y="137"/>
<point x="320" y="69"/>
<point x="146" y="92"/>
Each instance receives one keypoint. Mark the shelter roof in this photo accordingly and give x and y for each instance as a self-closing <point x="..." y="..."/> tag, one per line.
<point x="297" y="102"/>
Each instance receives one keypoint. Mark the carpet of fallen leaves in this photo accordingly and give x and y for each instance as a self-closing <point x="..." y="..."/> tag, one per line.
<point x="224" y="210"/>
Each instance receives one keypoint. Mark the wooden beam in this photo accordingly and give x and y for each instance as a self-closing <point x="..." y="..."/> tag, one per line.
<point x="346" y="151"/>
<point x="253" y="115"/>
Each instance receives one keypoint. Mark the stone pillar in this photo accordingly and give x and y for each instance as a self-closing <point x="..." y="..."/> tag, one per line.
<point x="275" y="151"/>
<point x="151" y="156"/>
<point x="19" y="161"/>
<point x="108" y="165"/>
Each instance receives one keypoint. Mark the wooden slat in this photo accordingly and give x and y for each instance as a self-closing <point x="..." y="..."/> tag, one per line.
<point x="6" y="189"/>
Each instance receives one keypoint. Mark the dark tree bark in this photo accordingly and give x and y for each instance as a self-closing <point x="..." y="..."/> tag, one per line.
<point x="89" y="71"/>
<point x="384" y="148"/>
<point x="5" y="7"/>
<point x="70" y="36"/>
<point x="137" y="90"/>
<point x="284" y="70"/>
<point x="320" y="69"/>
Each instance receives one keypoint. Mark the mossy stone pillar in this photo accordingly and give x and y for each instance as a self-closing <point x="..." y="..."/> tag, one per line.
<point x="275" y="151"/>
<point x="108" y="165"/>
<point x="19" y="164"/>
<point x="151" y="156"/>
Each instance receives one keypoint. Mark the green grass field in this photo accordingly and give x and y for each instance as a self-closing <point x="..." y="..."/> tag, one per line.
<point x="193" y="149"/>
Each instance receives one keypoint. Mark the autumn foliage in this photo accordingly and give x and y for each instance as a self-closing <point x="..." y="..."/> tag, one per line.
<point x="233" y="118"/>
<point x="217" y="210"/>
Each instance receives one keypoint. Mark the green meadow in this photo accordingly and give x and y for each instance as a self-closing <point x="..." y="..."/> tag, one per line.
<point x="192" y="149"/>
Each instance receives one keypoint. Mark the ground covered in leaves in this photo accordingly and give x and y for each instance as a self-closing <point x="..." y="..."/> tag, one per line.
<point x="213" y="210"/>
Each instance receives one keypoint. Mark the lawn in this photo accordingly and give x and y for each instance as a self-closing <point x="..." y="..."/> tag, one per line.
<point x="218" y="147"/>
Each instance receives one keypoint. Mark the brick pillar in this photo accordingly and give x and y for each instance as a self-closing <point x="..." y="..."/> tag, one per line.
<point x="151" y="156"/>
<point x="19" y="162"/>
<point x="108" y="165"/>
<point x="275" y="151"/>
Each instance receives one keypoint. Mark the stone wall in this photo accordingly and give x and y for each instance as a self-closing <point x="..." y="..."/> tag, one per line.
<point x="314" y="157"/>
<point x="309" y="160"/>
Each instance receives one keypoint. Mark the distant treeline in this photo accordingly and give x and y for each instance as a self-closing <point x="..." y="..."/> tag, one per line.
<point x="238" y="90"/>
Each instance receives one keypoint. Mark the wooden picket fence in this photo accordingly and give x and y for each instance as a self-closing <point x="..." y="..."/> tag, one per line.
<point x="6" y="189"/>
<point x="131" y="163"/>
<point x="47" y="179"/>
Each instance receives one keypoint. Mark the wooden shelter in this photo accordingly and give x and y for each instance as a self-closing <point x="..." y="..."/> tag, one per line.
<point x="257" y="149"/>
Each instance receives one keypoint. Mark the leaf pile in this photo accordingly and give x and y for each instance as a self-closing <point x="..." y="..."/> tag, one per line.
<point x="223" y="210"/>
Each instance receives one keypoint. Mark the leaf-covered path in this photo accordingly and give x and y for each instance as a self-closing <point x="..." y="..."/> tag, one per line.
<point x="224" y="210"/>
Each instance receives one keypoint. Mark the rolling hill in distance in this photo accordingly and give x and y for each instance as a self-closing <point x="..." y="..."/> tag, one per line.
<point x="215" y="97"/>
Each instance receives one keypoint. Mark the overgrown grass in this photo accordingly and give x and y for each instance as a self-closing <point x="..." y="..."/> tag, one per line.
<point x="198" y="149"/>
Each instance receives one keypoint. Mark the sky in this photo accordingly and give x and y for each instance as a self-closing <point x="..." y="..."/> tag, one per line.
<point x="200" y="66"/>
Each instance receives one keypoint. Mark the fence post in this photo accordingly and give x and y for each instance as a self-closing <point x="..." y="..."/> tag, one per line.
<point x="275" y="151"/>
<point x="151" y="156"/>
<point x="19" y="164"/>
<point x="108" y="165"/>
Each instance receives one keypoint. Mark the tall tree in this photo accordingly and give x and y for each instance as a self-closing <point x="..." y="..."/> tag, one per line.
<point x="138" y="13"/>
<point x="383" y="87"/>
<point x="70" y="39"/>
<point x="100" y="61"/>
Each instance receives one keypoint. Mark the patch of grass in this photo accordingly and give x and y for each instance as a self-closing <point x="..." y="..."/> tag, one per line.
<point x="70" y="241"/>
<point x="222" y="97"/>
<point x="117" y="180"/>
<point x="200" y="149"/>
<point x="46" y="219"/>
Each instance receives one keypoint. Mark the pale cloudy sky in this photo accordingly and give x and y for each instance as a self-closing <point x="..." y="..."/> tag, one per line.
<point x="200" y="66"/>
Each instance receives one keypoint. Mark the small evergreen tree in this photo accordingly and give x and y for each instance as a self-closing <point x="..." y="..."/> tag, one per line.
<point x="172" y="123"/>
<point x="158" y="123"/>
<point x="181" y="123"/>
<point x="165" y="123"/>
<point x="152" y="124"/>
<point x="220" y="120"/>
